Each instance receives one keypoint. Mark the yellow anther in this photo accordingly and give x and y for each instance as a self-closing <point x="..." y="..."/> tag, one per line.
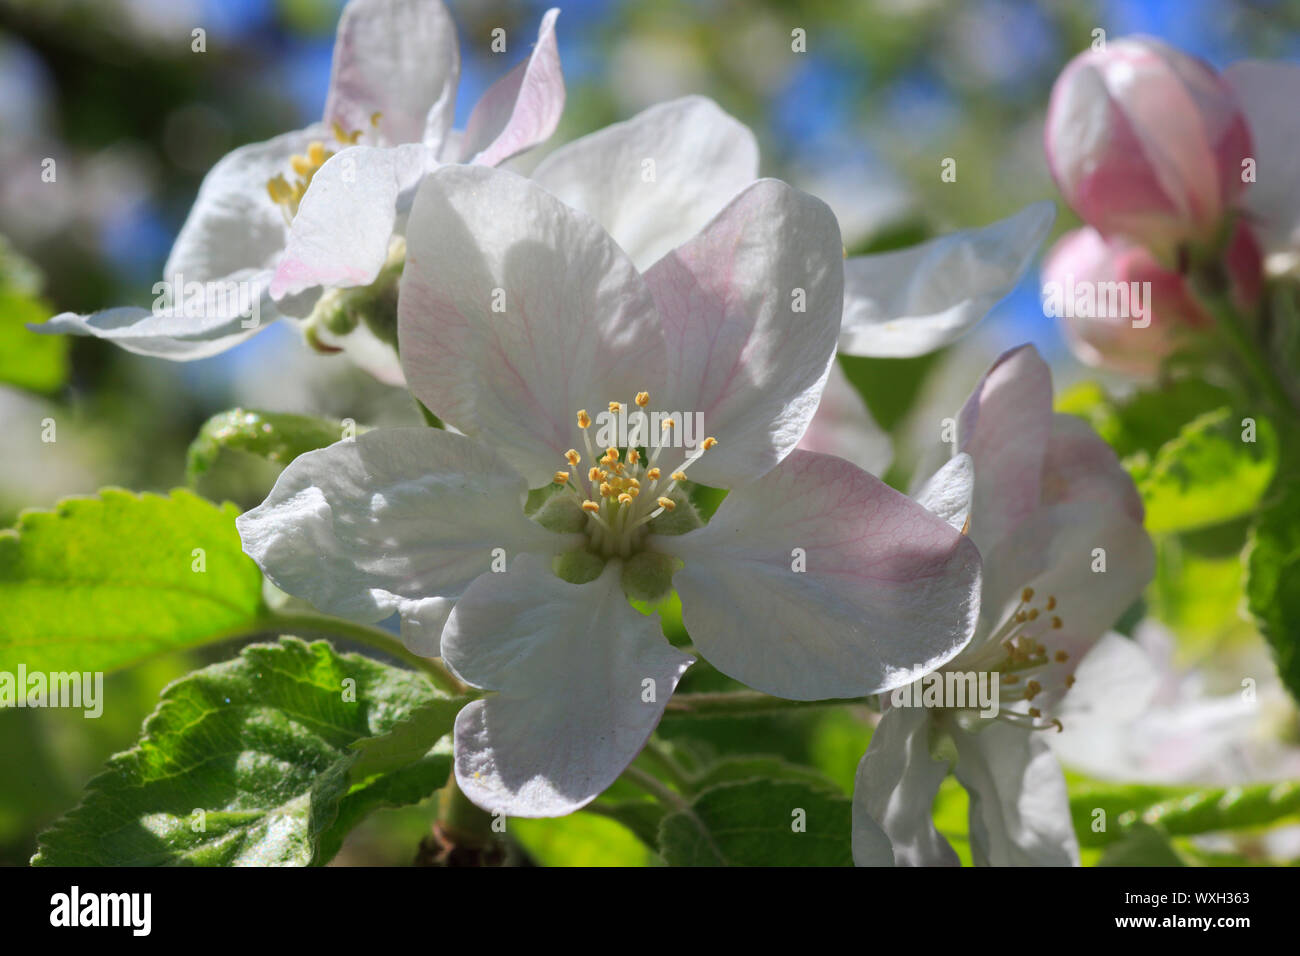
<point x="618" y="467"/>
<point x="678" y="476"/>
<point x="375" y="117"/>
<point x="1027" y="594"/>
<point x="561" y="477"/>
<point x="611" y="453"/>
<point x="1033" y="614"/>
<point x="667" y="504"/>
<point x="625" y="499"/>
<point x="633" y="490"/>
<point x="279" y="189"/>
<point x="595" y="474"/>
<point x="1032" y="689"/>
<point x="633" y="455"/>
<point x="653" y="474"/>
<point x="590" y="507"/>
<point x="709" y="443"/>
<point x="615" y="408"/>
<point x="643" y="399"/>
<point x="1062" y="657"/>
<point x="584" y="420"/>
<point x="1051" y="603"/>
<point x="1035" y="712"/>
<point x="1056" y="622"/>
<point x="343" y="136"/>
<point x="316" y="154"/>
<point x="301" y="164"/>
<point x="605" y="490"/>
<point x="572" y="457"/>
<point x="1069" y="681"/>
<point x="667" y="424"/>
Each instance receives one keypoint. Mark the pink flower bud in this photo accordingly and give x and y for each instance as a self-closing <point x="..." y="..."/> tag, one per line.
<point x="1146" y="143"/>
<point x="1123" y="310"/>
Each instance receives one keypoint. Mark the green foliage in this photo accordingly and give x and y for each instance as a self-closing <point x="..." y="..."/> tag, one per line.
<point x="759" y="823"/>
<point x="1273" y="582"/>
<point x="1207" y="474"/>
<point x="27" y="359"/>
<point x="276" y="436"/>
<point x="266" y="759"/>
<point x="100" y="583"/>
<point x="1179" y="811"/>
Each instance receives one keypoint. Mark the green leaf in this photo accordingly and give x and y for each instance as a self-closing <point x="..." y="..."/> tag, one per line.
<point x="1142" y="845"/>
<point x="1207" y="474"/>
<point x="1147" y="419"/>
<point x="27" y="359"/>
<point x="1179" y="811"/>
<point x="758" y="767"/>
<point x="281" y="749"/>
<point x="759" y="823"/>
<point x="580" y="839"/>
<point x="642" y="817"/>
<point x="100" y="583"/>
<point x="276" y="436"/>
<point x="1273" y="582"/>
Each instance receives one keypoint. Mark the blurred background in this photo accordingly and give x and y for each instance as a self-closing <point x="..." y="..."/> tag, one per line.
<point x="111" y="90"/>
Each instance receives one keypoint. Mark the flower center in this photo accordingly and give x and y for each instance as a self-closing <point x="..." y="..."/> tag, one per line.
<point x="622" y="489"/>
<point x="286" y="193"/>
<point x="1021" y="651"/>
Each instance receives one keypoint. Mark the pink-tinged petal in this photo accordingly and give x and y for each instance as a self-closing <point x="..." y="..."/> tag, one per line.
<point x="915" y="300"/>
<point x="1004" y="427"/>
<point x="581" y="680"/>
<point x="521" y="109"/>
<point x="844" y="427"/>
<point x="1081" y="466"/>
<point x="894" y="793"/>
<point x="750" y="311"/>
<point x="656" y="179"/>
<point x="398" y="58"/>
<point x="1268" y="93"/>
<point x="389" y="521"/>
<point x="345" y="222"/>
<point x="516" y="311"/>
<point x="1019" y="808"/>
<point x="820" y="581"/>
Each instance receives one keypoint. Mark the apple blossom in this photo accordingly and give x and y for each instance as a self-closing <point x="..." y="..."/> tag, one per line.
<point x="392" y="93"/>
<point x="1058" y="525"/>
<point x="412" y="520"/>
<point x="1147" y="143"/>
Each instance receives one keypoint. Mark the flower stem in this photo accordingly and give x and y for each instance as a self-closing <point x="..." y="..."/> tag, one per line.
<point x="1243" y="343"/>
<point x="741" y="703"/>
<point x="656" y="788"/>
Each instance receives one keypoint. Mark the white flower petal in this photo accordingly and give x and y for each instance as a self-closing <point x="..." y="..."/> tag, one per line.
<point x="522" y="108"/>
<point x="1081" y="466"/>
<point x="656" y="179"/>
<point x="894" y="793"/>
<point x="582" y="680"/>
<point x="1019" y="808"/>
<point x="890" y="591"/>
<point x="1005" y="426"/>
<point x="346" y="219"/>
<point x="389" y="520"/>
<point x="750" y="312"/>
<point x="949" y="491"/>
<point x="576" y="329"/>
<point x="398" y="58"/>
<point x="915" y="300"/>
<point x="843" y="427"/>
